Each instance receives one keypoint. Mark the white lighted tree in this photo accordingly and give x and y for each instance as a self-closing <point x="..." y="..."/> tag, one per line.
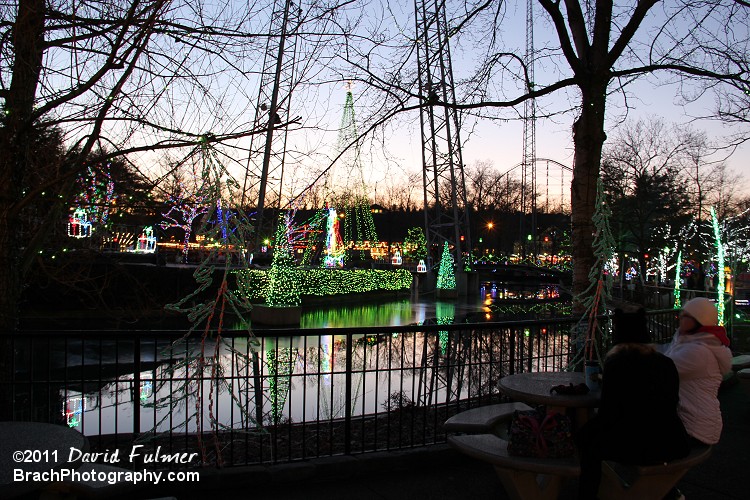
<point x="185" y="208"/>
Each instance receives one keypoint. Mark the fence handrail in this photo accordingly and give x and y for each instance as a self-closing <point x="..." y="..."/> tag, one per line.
<point x="300" y="332"/>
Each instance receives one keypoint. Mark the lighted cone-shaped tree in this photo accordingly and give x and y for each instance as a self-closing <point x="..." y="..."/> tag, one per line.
<point x="282" y="283"/>
<point x="282" y="294"/>
<point x="446" y="280"/>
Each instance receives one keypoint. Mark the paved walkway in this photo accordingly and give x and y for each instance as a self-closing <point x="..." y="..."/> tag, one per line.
<point x="437" y="473"/>
<point x="440" y="473"/>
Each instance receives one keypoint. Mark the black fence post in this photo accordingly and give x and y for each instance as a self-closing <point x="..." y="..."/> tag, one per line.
<point x="512" y="351"/>
<point x="348" y="396"/>
<point x="136" y="393"/>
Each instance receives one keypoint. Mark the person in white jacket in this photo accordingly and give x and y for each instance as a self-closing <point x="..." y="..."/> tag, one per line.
<point x="701" y="354"/>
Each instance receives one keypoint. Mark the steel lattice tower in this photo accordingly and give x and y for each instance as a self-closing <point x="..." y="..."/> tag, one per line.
<point x="445" y="207"/>
<point x="274" y="99"/>
<point x="359" y="226"/>
<point x="528" y="175"/>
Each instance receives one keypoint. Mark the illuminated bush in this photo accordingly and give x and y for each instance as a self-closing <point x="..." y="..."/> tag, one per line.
<point x="253" y="283"/>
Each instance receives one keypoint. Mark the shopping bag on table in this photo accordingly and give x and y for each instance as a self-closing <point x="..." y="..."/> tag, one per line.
<point x="536" y="433"/>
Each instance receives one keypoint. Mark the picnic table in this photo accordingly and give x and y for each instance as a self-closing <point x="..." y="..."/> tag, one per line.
<point x="528" y="478"/>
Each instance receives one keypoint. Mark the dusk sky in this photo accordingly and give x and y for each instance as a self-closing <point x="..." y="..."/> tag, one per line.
<point x="227" y="98"/>
<point x="395" y="149"/>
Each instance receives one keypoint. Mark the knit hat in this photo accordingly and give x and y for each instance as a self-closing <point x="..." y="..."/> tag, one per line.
<point x="630" y="327"/>
<point x="703" y="310"/>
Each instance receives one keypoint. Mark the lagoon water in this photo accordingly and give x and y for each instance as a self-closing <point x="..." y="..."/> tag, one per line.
<point x="493" y="302"/>
<point x="297" y="377"/>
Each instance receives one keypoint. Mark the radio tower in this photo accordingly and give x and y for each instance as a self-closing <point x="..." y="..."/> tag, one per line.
<point x="446" y="216"/>
<point x="528" y="175"/>
<point x="274" y="99"/>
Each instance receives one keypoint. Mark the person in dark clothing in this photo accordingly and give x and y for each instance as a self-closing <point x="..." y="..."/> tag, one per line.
<point x="637" y="422"/>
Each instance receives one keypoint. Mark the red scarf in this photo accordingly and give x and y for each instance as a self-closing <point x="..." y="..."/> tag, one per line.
<point x="717" y="331"/>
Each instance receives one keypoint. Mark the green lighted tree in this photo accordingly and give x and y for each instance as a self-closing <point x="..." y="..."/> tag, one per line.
<point x="415" y="244"/>
<point x="282" y="283"/>
<point x="721" y="276"/>
<point x="446" y="275"/>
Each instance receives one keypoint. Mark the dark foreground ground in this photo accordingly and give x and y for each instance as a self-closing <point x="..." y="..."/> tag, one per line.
<point x="439" y="473"/>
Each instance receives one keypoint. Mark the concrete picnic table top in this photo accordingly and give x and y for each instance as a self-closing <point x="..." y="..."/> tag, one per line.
<point x="534" y="388"/>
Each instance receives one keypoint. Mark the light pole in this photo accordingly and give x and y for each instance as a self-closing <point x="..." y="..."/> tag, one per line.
<point x="490" y="225"/>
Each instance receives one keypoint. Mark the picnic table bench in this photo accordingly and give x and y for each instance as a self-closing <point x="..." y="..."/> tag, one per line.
<point x="524" y="478"/>
<point x="483" y="419"/>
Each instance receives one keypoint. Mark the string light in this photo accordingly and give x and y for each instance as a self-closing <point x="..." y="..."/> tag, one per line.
<point x="720" y="289"/>
<point x="678" y="270"/>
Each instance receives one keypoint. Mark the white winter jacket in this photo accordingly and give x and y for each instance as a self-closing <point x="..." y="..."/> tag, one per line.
<point x="701" y="361"/>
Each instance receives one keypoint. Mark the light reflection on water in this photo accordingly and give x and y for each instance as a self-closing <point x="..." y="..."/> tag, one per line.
<point x="490" y="304"/>
<point x="389" y="313"/>
<point x="284" y="362"/>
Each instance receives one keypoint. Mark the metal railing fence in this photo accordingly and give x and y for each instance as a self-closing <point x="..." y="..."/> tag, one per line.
<point x="283" y="395"/>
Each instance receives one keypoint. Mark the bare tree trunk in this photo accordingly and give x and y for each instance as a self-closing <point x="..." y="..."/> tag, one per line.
<point x="588" y="138"/>
<point x="28" y="42"/>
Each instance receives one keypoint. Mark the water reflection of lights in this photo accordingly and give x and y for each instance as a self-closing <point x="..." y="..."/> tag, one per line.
<point x="147" y="389"/>
<point x="72" y="410"/>
<point x="492" y="292"/>
<point x="75" y="406"/>
<point x="326" y="357"/>
<point x="420" y="312"/>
